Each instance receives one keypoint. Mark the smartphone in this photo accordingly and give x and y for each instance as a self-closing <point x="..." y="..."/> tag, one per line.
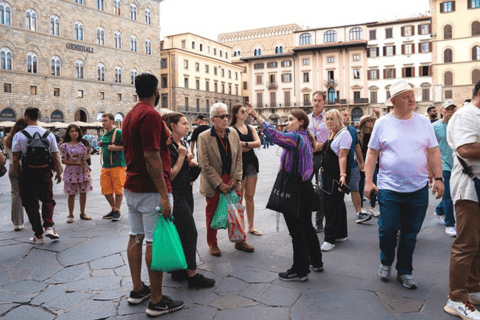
<point x="373" y="195"/>
<point x="345" y="188"/>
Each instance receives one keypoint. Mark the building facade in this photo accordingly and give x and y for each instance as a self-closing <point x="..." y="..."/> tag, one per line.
<point x="400" y="49"/>
<point x="196" y="73"/>
<point x="456" y="49"/>
<point x="77" y="59"/>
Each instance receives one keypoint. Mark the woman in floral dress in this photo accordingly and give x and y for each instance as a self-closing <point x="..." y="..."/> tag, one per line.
<point x="76" y="176"/>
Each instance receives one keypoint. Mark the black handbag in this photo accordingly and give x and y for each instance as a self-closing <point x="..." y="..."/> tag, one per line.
<point x="285" y="195"/>
<point x="318" y="198"/>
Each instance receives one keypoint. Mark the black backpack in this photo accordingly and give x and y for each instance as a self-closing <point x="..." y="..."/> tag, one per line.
<point x="38" y="155"/>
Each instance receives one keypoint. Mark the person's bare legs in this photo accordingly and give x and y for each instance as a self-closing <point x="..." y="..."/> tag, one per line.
<point x="357" y="203"/>
<point x="83" y="202"/>
<point x="111" y="200"/>
<point x="134" y="255"/>
<point x="118" y="201"/>
<point x="156" y="277"/>
<point x="71" y="203"/>
<point x="192" y="273"/>
<point x="249" y="192"/>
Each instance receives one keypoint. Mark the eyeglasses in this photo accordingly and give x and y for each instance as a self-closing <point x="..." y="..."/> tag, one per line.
<point x="223" y="116"/>
<point x="242" y="111"/>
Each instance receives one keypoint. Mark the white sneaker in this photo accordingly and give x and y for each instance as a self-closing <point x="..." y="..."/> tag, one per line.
<point x="327" y="246"/>
<point x="341" y="239"/>
<point x="450" y="231"/>
<point x="441" y="218"/>
<point x="474" y="297"/>
<point x="374" y="212"/>
<point x="464" y="310"/>
<point x="36" y="240"/>
<point x="18" y="227"/>
<point x="51" y="233"/>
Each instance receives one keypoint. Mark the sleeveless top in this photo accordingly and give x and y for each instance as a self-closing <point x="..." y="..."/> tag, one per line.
<point x="249" y="157"/>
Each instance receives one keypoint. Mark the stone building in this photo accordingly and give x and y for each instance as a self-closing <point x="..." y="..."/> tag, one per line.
<point x="197" y="72"/>
<point x="456" y="49"/>
<point x="76" y="59"/>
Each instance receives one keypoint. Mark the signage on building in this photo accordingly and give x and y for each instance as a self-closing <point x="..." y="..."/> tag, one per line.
<point x="72" y="46"/>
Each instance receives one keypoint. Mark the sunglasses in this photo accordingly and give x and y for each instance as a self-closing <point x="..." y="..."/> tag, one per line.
<point x="223" y="116"/>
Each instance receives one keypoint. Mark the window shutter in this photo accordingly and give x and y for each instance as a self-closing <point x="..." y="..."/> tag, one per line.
<point x="403" y="31"/>
<point x="419" y="29"/>
<point x="430" y="47"/>
<point x="413" y="72"/>
<point x="453" y="5"/>
<point x="368" y="52"/>
<point x="420" y="71"/>
<point x="430" y="28"/>
<point x="419" y="48"/>
<point x="394" y="49"/>
<point x="403" y="72"/>
<point x="384" y="73"/>
<point x="413" y="48"/>
<point x="378" y="51"/>
<point x="282" y="77"/>
<point x="441" y="7"/>
<point x="378" y="74"/>
<point x="368" y="75"/>
<point x="469" y="2"/>
<point x="429" y="70"/>
<point x="394" y="73"/>
<point x="413" y="30"/>
<point x="384" y="51"/>
<point x="403" y="49"/>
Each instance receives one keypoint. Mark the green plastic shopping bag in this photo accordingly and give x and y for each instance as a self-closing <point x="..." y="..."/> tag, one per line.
<point x="219" y="220"/>
<point x="167" y="251"/>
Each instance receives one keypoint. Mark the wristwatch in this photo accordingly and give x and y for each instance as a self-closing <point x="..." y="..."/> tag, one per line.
<point x="439" y="179"/>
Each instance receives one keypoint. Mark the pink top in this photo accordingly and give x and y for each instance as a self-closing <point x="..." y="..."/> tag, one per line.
<point x="75" y="173"/>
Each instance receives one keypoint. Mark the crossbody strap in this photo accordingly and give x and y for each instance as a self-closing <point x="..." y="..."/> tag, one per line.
<point x="113" y="141"/>
<point x="466" y="169"/>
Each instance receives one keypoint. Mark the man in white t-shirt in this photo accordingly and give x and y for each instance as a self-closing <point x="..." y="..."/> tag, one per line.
<point x="463" y="136"/>
<point x="35" y="182"/>
<point x="402" y="140"/>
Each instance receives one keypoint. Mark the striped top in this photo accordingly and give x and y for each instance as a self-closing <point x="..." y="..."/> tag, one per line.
<point x="288" y="141"/>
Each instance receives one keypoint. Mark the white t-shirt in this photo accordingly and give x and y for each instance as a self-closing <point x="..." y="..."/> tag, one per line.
<point x="402" y="148"/>
<point x="342" y="141"/>
<point x="19" y="142"/>
<point x="463" y="128"/>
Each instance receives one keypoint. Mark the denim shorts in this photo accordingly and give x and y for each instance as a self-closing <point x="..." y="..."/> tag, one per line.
<point x="251" y="171"/>
<point x="142" y="213"/>
<point x="354" y="179"/>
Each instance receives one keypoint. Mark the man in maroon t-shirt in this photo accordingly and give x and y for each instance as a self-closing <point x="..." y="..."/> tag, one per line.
<point x="145" y="137"/>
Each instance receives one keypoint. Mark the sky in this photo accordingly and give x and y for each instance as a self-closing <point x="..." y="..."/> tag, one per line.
<point x="208" y="18"/>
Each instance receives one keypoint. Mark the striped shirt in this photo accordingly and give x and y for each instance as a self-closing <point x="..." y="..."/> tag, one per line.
<point x="318" y="127"/>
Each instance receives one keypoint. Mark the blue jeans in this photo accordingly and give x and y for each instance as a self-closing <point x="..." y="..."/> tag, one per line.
<point x="404" y="212"/>
<point x="445" y="207"/>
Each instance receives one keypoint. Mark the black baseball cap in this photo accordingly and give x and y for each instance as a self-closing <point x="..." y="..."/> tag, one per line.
<point x="201" y="117"/>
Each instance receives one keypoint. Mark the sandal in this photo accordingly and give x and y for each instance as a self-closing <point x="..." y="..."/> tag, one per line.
<point x="256" y="232"/>
<point x="70" y="219"/>
<point x="83" y="216"/>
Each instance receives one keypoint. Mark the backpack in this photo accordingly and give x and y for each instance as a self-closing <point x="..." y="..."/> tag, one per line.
<point x="38" y="155"/>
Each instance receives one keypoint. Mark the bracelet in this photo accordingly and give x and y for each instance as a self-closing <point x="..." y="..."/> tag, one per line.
<point x="343" y="175"/>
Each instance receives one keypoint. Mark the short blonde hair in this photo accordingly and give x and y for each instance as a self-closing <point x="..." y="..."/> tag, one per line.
<point x="337" y="117"/>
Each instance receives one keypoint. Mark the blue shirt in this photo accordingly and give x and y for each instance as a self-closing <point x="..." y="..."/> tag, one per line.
<point x="440" y="129"/>
<point x="351" y="153"/>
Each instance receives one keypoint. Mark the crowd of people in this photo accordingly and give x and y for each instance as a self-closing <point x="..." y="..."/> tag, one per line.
<point x="392" y="160"/>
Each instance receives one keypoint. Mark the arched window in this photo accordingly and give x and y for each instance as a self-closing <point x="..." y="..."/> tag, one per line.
<point x="54" y="26"/>
<point x="32" y="63"/>
<point x="7" y="114"/>
<point x="475" y="76"/>
<point x="56" y="65"/>
<point x="330" y="36"/>
<point x="118" y="40"/>
<point x="100" y="36"/>
<point x="133" y="44"/>
<point x="448" y="79"/>
<point x="5" y="59"/>
<point x="100" y="4"/>
<point x="31" y="19"/>
<point x="116" y="7"/>
<point x="78" y="31"/>
<point x="331" y="96"/>
<point x="278" y="49"/>
<point x="148" y="46"/>
<point x="78" y="1"/>
<point x="133" y="12"/>
<point x="356" y="33"/>
<point x="257" y="52"/>
<point x="5" y="14"/>
<point x="236" y="53"/>
<point x="79" y="65"/>
<point x="305" y="39"/>
<point x="118" y="75"/>
<point x="101" y="72"/>
<point x="57" y="116"/>
<point x="447" y="32"/>
<point x="447" y="55"/>
<point x="475" y="28"/>
<point x="133" y="75"/>
<point x="148" y="16"/>
<point x="476" y="53"/>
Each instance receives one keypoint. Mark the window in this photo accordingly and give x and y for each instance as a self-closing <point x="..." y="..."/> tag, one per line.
<point x="221" y="53"/>
<point x="56" y="92"/>
<point x="215" y="51"/>
<point x="424" y="47"/>
<point x="54" y="25"/>
<point x="355" y="33"/>
<point x="306" y="62"/>
<point x="164" y="81"/>
<point x="208" y="49"/>
<point x="306" y="99"/>
<point x="5" y="14"/>
<point x="223" y="88"/>
<point x="330" y="59"/>
<point x="331" y="96"/>
<point x="33" y="90"/>
<point x="408" y="72"/>
<point x="256" y="52"/>
<point x="356" y="57"/>
<point x="447" y="32"/>
<point x="271" y="65"/>
<point x="55" y="64"/>
<point x="278" y="49"/>
<point x="476" y="53"/>
<point x="286" y="98"/>
<point x="388" y="33"/>
<point x="287" y="63"/>
<point x="373" y="74"/>
<point x="215" y="71"/>
<point x="407" y="48"/>
<point x="5" y="59"/>
<point x="148" y="47"/>
<point x="79" y="94"/>
<point x="133" y="75"/>
<point x="185" y="82"/>
<point x="226" y="55"/>
<point x="117" y="36"/>
<point x="305" y="39"/>
<point x="356" y="73"/>
<point x="119" y="97"/>
<point x="148" y="16"/>
<point x="223" y="72"/>
<point x="447" y="55"/>
<point x="475" y="75"/>
<point x="356" y="96"/>
<point x="32" y="63"/>
<point x="448" y="94"/>
<point x="200" y="47"/>
<point x="101" y="72"/>
<point x="193" y="45"/>
<point x="448" y="6"/>
<point x="185" y="64"/>
<point x="373" y="34"/>
<point x="101" y="96"/>
<point x="79" y="65"/>
<point x="287" y="77"/>
<point x="135" y="98"/>
<point x="236" y="53"/>
<point x="197" y="105"/>
<point x="207" y="68"/>
<point x="78" y="31"/>
<point x="230" y="72"/>
<point x="163" y="63"/>
<point x="473" y="4"/>
<point x="215" y="87"/>
<point x="99" y="4"/>
<point x="197" y="84"/>
<point x="306" y="77"/>
<point x="259" y="79"/>
<point x="236" y="75"/>
<point x="258" y="66"/>
<point x="389" y="73"/>
<point x="31" y="20"/>
<point x="426" y="94"/>
<point x="373" y="52"/>
<point x="133" y="44"/>
<point x="207" y="85"/>
<point x="389" y="51"/>
<point x="408" y="31"/>
<point x="373" y="96"/>
<point x="100" y="36"/>
<point x="78" y="1"/>
<point x="424" y="71"/>
<point x="245" y="85"/>
<point x="448" y="78"/>
<point x="476" y="28"/>
<point x="184" y="44"/>
<point x="259" y="99"/>
<point x="116" y="7"/>
<point x="330" y="36"/>
<point x="118" y="75"/>
<point x="133" y="12"/>
<point x="424" y="29"/>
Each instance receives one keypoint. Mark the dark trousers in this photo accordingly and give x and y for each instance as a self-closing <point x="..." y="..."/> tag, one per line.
<point x="445" y="207"/>
<point x="317" y="162"/>
<point x="306" y="247"/>
<point x="34" y="187"/>
<point x="335" y="214"/>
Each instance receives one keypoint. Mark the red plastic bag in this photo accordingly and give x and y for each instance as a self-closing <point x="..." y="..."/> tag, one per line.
<point x="236" y="225"/>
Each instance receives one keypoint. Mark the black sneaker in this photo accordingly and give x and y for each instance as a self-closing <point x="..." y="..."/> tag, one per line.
<point x="200" y="281"/>
<point x="116" y="216"/>
<point x="166" y="305"/>
<point x="362" y="217"/>
<point x="108" y="216"/>
<point x="179" y="275"/>
<point x="291" y="275"/>
<point x="319" y="228"/>
<point x="139" y="296"/>
<point x="317" y="269"/>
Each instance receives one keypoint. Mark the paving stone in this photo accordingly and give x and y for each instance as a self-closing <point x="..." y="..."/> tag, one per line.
<point x="103" y="273"/>
<point x="65" y="242"/>
<point x="253" y="275"/>
<point x="25" y="288"/>
<point x="192" y="297"/>
<point x="11" y="255"/>
<point x="232" y="302"/>
<point x="70" y="274"/>
<point x="4" y="277"/>
<point x="122" y="271"/>
<point x="254" y="291"/>
<point x="51" y="293"/>
<point x="92" y="284"/>
<point x="125" y="309"/>
<point x="109" y="262"/>
<point x="401" y="304"/>
<point x="224" y="268"/>
<point x="230" y="285"/>
<point x="7" y="297"/>
<point x="5" y="307"/>
<point x="37" y="265"/>
<point x="27" y="312"/>
<point x="257" y="312"/>
<point x="417" y="316"/>
<point x="67" y="301"/>
<point x="197" y="313"/>
<point x="112" y="295"/>
<point x="277" y="296"/>
<point x="90" y="310"/>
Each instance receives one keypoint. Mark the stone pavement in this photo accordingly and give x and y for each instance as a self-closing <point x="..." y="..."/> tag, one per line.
<point x="85" y="274"/>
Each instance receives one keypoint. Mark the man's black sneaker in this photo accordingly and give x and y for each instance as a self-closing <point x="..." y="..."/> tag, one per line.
<point x="362" y="217"/>
<point x="200" y="281"/>
<point x="139" y="296"/>
<point x="317" y="269"/>
<point x="290" y="275"/>
<point x="166" y="305"/>
<point x="116" y="216"/>
<point x="179" y="275"/>
<point x="108" y="216"/>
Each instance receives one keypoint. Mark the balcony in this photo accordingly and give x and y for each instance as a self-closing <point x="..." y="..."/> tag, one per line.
<point x="360" y="100"/>
<point x="272" y="85"/>
<point x="330" y="83"/>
